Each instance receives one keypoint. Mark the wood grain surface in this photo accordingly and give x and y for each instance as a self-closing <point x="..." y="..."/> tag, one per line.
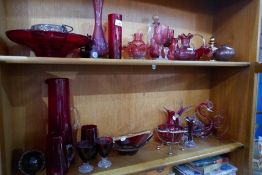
<point x="131" y="95"/>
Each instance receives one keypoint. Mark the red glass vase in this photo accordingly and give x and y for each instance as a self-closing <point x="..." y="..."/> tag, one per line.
<point x="137" y="48"/>
<point x="100" y="44"/>
<point x="59" y="120"/>
<point x="114" y="35"/>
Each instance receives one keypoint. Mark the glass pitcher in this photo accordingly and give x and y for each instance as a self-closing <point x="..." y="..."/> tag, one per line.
<point x="59" y="119"/>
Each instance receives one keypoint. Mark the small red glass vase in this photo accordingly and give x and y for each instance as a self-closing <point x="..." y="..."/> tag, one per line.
<point x="137" y="48"/>
<point x="100" y="44"/>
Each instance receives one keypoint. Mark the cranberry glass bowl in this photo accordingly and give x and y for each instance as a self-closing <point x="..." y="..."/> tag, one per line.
<point x="170" y="133"/>
<point x="131" y="143"/>
<point x="48" y="43"/>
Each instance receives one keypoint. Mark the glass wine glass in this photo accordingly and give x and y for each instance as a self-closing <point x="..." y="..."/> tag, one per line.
<point x="86" y="151"/>
<point x="104" y="145"/>
<point x="190" y="143"/>
<point x="159" y="38"/>
<point x="168" y="35"/>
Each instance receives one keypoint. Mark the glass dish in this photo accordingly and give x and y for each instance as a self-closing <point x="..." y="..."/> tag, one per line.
<point x="131" y="143"/>
<point x="48" y="43"/>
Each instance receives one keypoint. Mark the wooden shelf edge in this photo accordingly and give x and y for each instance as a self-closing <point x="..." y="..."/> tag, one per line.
<point x="90" y="61"/>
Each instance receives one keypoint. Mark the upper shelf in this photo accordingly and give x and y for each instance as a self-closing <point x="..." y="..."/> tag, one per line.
<point x="89" y="61"/>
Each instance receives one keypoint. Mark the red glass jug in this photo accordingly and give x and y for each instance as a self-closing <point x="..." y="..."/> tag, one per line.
<point x="59" y="120"/>
<point x="186" y="52"/>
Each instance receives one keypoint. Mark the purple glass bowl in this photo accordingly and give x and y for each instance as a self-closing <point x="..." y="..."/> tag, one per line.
<point x="48" y="43"/>
<point x="131" y="143"/>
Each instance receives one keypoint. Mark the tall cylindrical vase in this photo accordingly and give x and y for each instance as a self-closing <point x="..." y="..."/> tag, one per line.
<point x="114" y="35"/>
<point x="100" y="44"/>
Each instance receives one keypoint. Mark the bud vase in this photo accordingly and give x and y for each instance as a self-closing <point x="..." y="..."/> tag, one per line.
<point x="100" y="44"/>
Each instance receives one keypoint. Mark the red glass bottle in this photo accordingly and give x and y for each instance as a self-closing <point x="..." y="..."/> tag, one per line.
<point x="100" y="44"/>
<point x="59" y="120"/>
<point x="114" y="35"/>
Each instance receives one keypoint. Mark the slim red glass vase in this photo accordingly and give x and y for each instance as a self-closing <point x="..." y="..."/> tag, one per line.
<point x="115" y="35"/>
<point x="100" y="45"/>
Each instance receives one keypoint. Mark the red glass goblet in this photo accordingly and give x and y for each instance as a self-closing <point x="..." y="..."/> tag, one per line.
<point x="89" y="132"/>
<point x="86" y="151"/>
<point x="104" y="145"/>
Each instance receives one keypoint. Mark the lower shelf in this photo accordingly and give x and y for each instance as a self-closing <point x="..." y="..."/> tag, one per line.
<point x="150" y="158"/>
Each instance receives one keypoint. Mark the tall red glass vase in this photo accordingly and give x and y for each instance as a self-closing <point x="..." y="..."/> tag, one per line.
<point x="100" y="44"/>
<point x="59" y="120"/>
<point x="115" y="35"/>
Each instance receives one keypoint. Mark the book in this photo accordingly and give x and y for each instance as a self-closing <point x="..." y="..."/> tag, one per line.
<point x="209" y="161"/>
<point x="205" y="169"/>
<point x="224" y="169"/>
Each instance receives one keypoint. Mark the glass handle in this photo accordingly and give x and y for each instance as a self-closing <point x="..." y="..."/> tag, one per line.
<point x="202" y="39"/>
<point x="76" y="124"/>
<point x="69" y="28"/>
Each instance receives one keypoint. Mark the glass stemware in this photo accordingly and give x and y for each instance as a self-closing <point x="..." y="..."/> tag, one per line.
<point x="160" y="37"/>
<point x="89" y="132"/>
<point x="167" y="40"/>
<point x="86" y="151"/>
<point x="104" y="145"/>
<point x="189" y="143"/>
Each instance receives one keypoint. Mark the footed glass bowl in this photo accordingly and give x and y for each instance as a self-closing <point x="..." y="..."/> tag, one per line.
<point x="170" y="133"/>
<point x="131" y="143"/>
<point x="48" y="43"/>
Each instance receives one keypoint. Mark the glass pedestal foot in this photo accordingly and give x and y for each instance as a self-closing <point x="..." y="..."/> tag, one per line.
<point x="104" y="163"/>
<point x="190" y="144"/>
<point x="85" y="168"/>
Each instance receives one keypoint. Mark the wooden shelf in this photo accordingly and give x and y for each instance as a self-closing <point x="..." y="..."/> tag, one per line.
<point x="89" y="61"/>
<point x="149" y="157"/>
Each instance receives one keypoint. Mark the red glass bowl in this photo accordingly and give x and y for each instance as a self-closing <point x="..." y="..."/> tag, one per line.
<point x="48" y="43"/>
<point x="131" y="143"/>
<point x="170" y="133"/>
